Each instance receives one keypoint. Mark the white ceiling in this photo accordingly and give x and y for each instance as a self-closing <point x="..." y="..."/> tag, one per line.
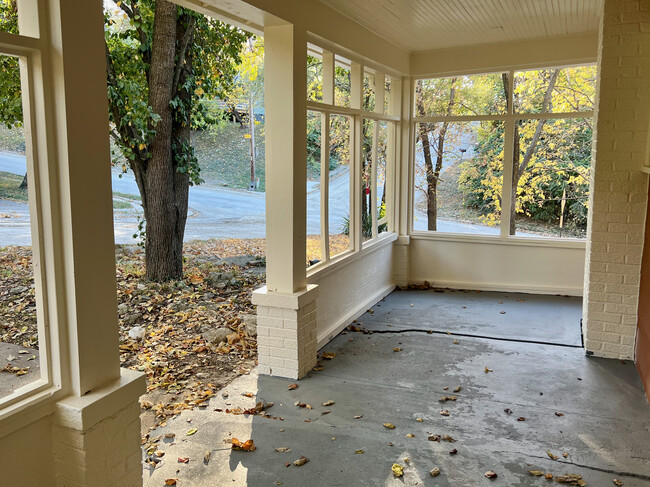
<point x="422" y="25"/>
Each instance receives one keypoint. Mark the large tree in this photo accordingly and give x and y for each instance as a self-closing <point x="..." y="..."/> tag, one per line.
<point x="161" y="60"/>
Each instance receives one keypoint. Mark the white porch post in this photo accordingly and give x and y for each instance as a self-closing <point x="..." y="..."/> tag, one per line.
<point x="96" y="424"/>
<point x="286" y="307"/>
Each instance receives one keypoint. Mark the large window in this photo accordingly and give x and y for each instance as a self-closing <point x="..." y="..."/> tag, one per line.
<point x="504" y="153"/>
<point x="25" y="311"/>
<point x="351" y="123"/>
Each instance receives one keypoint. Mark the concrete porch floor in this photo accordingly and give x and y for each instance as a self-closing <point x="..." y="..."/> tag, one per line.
<point x="605" y="427"/>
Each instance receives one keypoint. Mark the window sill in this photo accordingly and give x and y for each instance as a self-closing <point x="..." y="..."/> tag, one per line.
<point x="569" y="243"/>
<point x="346" y="258"/>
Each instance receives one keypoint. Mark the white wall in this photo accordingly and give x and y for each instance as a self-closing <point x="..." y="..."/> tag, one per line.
<point x="512" y="266"/>
<point x="347" y="290"/>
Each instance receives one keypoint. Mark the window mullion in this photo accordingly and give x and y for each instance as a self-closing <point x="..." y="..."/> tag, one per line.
<point x="324" y="185"/>
<point x="373" y="179"/>
<point x="507" y="196"/>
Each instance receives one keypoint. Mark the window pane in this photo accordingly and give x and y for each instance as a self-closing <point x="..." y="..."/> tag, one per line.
<point x="482" y="94"/>
<point x="458" y="179"/>
<point x="339" y="185"/>
<point x="382" y="153"/>
<point x="314" y="78"/>
<point x="366" y="179"/>
<point x="369" y="92"/>
<point x="314" y="254"/>
<point x="342" y="82"/>
<point x="387" y="95"/>
<point x="554" y="157"/>
<point x="19" y="330"/>
<point x="555" y="90"/>
<point x="8" y="17"/>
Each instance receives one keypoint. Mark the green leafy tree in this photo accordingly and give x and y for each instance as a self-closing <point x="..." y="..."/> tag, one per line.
<point x="162" y="60"/>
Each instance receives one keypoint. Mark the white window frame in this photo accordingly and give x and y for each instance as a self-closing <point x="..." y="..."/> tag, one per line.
<point x="44" y="211"/>
<point x="357" y="114"/>
<point x="509" y="118"/>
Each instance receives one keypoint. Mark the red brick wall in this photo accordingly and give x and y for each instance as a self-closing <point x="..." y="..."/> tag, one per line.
<point x="643" y="324"/>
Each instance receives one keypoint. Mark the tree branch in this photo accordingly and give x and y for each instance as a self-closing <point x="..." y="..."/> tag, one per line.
<point x="540" y="123"/>
<point x="187" y="36"/>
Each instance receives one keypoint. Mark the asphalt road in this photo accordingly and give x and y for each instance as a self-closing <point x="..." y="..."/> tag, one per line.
<point x="213" y="212"/>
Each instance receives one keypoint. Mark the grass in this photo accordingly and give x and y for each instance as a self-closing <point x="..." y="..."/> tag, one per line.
<point x="10" y="187"/>
<point x="12" y="140"/>
<point x="127" y="196"/>
<point x="121" y="205"/>
<point x="224" y="155"/>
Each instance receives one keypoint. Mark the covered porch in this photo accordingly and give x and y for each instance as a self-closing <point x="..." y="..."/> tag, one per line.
<point x="536" y="400"/>
<point x="85" y="410"/>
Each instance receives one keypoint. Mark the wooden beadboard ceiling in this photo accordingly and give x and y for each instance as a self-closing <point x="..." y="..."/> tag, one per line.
<point x="422" y="25"/>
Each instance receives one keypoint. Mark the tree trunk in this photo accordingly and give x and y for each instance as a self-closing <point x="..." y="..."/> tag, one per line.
<point x="23" y="185"/>
<point x="433" y="173"/>
<point x="163" y="252"/>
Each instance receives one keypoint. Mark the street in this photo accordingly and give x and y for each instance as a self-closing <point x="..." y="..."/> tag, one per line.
<point x="213" y="212"/>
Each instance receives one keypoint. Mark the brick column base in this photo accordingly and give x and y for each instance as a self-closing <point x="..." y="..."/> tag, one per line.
<point x="97" y="436"/>
<point x="286" y="332"/>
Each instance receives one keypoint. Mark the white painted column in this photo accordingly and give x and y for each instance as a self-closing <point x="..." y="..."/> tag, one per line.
<point x="618" y="187"/>
<point x="404" y="183"/>
<point x="286" y="307"/>
<point x="94" y="430"/>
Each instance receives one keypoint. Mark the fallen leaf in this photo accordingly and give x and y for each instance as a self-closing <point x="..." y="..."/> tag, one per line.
<point x="192" y="431"/>
<point x="551" y="456"/>
<point x="571" y="479"/>
<point x="559" y="414"/>
<point x="283" y="449"/>
<point x="206" y="457"/>
<point x="453" y="452"/>
<point x="434" y="472"/>
<point x="491" y="474"/>
<point x="171" y="481"/>
<point x="323" y="413"/>
<point x="169" y="436"/>
<point x="328" y="403"/>
<point x="488" y="370"/>
<point x="456" y="342"/>
<point x="410" y="435"/>
<point x="536" y="473"/>
<point x="301" y="461"/>
<point x="521" y="418"/>
<point x="448" y="439"/>
<point x="358" y="416"/>
<point x="397" y="349"/>
<point x="457" y="389"/>
<point x="444" y="412"/>
<point x="419" y="420"/>
<point x="548" y="476"/>
<point x="328" y="355"/>
<point x="502" y="312"/>
<point x="358" y="452"/>
<point x="183" y="460"/>
<point x="248" y="445"/>
<point x="397" y="469"/>
<point x="434" y="438"/>
<point x="407" y="460"/>
<point x="293" y="387"/>
<point x="390" y="426"/>
<point x="617" y="482"/>
<point x="507" y="411"/>
<point x="565" y="454"/>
